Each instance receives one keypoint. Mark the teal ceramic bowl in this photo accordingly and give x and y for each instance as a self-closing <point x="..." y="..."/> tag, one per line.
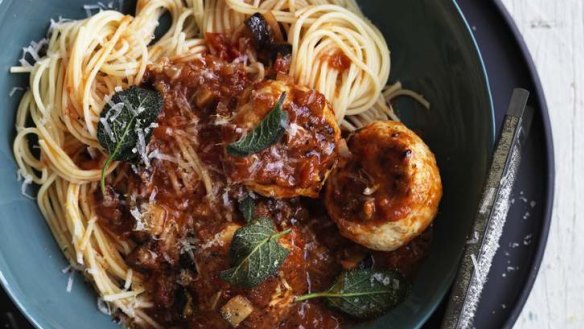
<point x="433" y="52"/>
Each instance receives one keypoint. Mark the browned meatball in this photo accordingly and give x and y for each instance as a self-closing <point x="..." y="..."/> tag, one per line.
<point x="387" y="192"/>
<point x="298" y="164"/>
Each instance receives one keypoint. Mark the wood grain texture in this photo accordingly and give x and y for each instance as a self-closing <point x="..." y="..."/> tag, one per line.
<point x="554" y="33"/>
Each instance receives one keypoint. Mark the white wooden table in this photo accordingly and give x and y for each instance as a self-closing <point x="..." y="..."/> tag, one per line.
<point x="554" y="33"/>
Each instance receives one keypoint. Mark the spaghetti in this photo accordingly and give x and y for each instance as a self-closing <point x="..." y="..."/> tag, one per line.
<point x="335" y="50"/>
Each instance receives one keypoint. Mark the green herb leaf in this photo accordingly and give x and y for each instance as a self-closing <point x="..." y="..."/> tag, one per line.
<point x="255" y="254"/>
<point x="246" y="206"/>
<point x="124" y="128"/>
<point x="364" y="293"/>
<point x="268" y="132"/>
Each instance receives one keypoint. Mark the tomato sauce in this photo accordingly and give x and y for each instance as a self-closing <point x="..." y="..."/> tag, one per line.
<point x="338" y="60"/>
<point x="180" y="257"/>
<point x="226" y="47"/>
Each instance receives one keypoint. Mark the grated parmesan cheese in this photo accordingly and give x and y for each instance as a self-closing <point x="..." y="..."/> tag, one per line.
<point x="26" y="181"/>
<point x="152" y="197"/>
<point x="89" y="8"/>
<point x="243" y="59"/>
<point x="208" y="74"/>
<point x="222" y="238"/>
<point x="115" y="110"/>
<point x="128" y="282"/>
<point x="294" y="129"/>
<point x="370" y="190"/>
<point x="255" y="164"/>
<point x="153" y="254"/>
<point x="140" y="223"/>
<point x="70" y="281"/>
<point x="108" y="129"/>
<point x="329" y="149"/>
<point x="142" y="146"/>
<point x="93" y="152"/>
<point x="156" y="154"/>
<point x="100" y="6"/>
<point x="133" y="166"/>
<point x="56" y="24"/>
<point x="103" y="307"/>
<point x="275" y="166"/>
<point x="14" y="90"/>
<point x="381" y="278"/>
<point x="32" y="51"/>
<point x="151" y="126"/>
<point x="225" y="197"/>
<point x="187" y="246"/>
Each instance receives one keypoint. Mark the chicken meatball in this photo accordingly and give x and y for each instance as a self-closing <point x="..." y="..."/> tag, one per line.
<point x="299" y="162"/>
<point x="387" y="191"/>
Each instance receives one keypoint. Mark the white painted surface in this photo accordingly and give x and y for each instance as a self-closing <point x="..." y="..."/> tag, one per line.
<point x="554" y="33"/>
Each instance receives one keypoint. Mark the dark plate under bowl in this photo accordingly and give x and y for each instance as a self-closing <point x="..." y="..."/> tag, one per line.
<point x="433" y="52"/>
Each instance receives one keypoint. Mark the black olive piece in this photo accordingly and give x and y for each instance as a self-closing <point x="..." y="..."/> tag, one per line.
<point x="260" y="31"/>
<point x="183" y="302"/>
<point x="186" y="260"/>
<point x="282" y="49"/>
<point x="367" y="262"/>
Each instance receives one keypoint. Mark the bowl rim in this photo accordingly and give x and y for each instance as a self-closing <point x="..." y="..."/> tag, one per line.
<point x="443" y="291"/>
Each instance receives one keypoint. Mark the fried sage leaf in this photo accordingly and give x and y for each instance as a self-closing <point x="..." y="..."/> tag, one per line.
<point x="124" y="128"/>
<point x="255" y="254"/>
<point x="246" y="207"/>
<point x="364" y="293"/>
<point x="268" y="132"/>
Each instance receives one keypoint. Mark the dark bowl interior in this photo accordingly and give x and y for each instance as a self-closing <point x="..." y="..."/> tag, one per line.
<point x="433" y="53"/>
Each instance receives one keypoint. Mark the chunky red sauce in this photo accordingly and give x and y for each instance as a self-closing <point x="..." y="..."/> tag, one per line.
<point x="226" y="47"/>
<point x="182" y="252"/>
<point x="338" y="60"/>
